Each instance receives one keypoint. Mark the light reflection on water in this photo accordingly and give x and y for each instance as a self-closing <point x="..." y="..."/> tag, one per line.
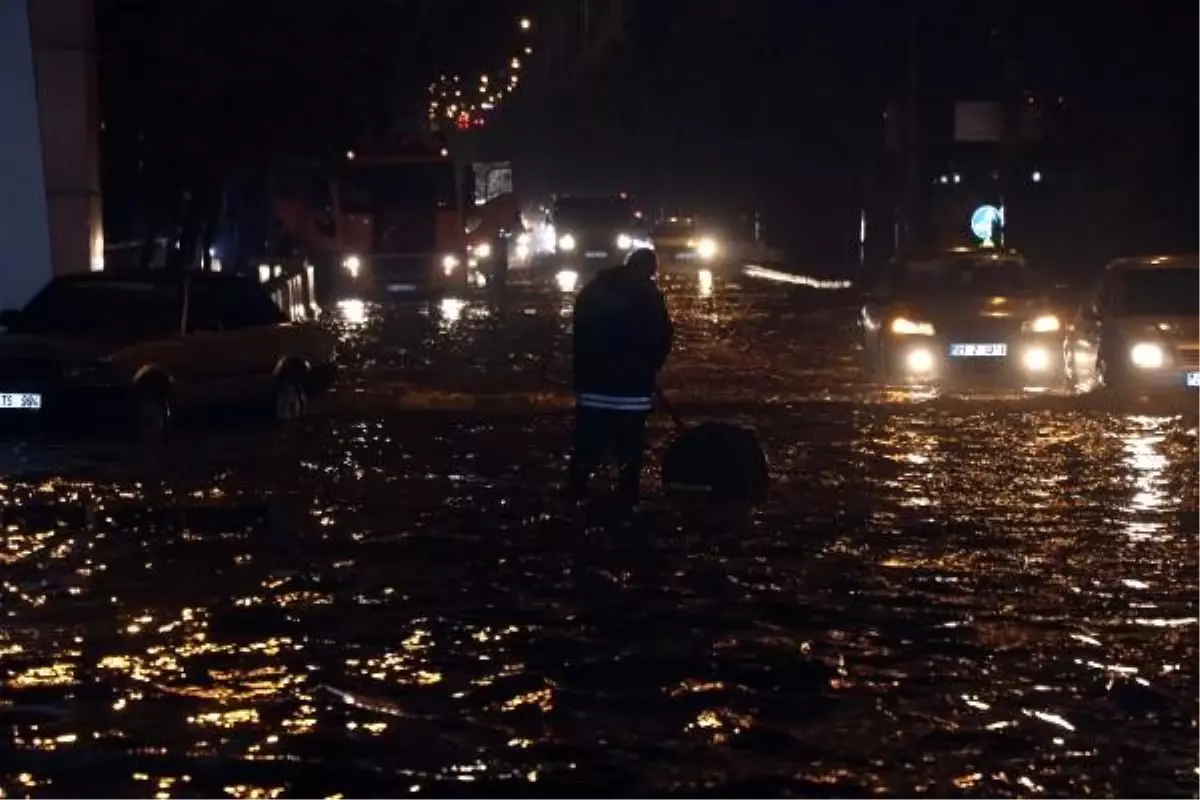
<point x="1147" y="466"/>
<point x="939" y="599"/>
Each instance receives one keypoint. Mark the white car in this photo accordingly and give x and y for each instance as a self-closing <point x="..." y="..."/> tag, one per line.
<point x="1137" y="331"/>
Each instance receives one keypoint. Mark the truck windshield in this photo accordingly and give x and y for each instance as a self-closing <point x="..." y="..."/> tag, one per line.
<point x="104" y="308"/>
<point x="607" y="211"/>
<point x="370" y="188"/>
<point x="676" y="228"/>
<point x="966" y="276"/>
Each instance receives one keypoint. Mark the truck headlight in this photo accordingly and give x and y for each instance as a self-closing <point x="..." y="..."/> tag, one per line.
<point x="449" y="263"/>
<point x="352" y="264"/>
<point x="1047" y="323"/>
<point x="567" y="279"/>
<point x="566" y="243"/>
<point x="706" y="247"/>
<point x="624" y="242"/>
<point x="1147" y="355"/>
<point x="907" y="327"/>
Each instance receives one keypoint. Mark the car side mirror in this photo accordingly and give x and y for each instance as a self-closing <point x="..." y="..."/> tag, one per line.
<point x="8" y="317"/>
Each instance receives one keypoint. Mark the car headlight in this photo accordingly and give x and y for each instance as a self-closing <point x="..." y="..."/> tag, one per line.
<point x="483" y="250"/>
<point x="1147" y="355"/>
<point x="566" y="243"/>
<point x="449" y="263"/>
<point x="624" y="242"/>
<point x="907" y="327"/>
<point x="352" y="264"/>
<point x="1037" y="359"/>
<point x="1047" y="323"/>
<point x="919" y="361"/>
<point x="706" y="248"/>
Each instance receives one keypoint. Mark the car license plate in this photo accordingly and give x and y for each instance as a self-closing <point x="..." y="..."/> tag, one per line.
<point x="20" y="402"/>
<point x="402" y="287"/>
<point x="989" y="350"/>
<point x="596" y="254"/>
<point x="1193" y="379"/>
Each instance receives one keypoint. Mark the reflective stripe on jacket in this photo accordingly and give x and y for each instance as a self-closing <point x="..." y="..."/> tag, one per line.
<point x="613" y="402"/>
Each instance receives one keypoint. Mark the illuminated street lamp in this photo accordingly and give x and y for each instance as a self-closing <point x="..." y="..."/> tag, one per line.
<point x="526" y="23"/>
<point x="516" y="63"/>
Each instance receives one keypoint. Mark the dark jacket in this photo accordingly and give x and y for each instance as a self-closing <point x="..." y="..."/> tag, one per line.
<point x="622" y="334"/>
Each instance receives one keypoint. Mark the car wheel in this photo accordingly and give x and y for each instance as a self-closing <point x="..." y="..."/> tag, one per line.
<point x="152" y="414"/>
<point x="291" y="399"/>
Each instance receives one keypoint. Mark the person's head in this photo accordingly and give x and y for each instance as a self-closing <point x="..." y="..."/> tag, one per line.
<point x="642" y="263"/>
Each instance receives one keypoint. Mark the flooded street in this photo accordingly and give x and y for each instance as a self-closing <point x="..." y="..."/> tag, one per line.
<point x="942" y="597"/>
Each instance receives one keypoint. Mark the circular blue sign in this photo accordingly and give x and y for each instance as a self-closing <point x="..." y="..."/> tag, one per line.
<point x="984" y="221"/>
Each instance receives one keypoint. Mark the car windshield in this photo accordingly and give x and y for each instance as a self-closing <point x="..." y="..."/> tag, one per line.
<point x="372" y="188"/>
<point x="1167" y="292"/>
<point x="607" y="211"/>
<point x="104" y="308"/>
<point x="965" y="276"/>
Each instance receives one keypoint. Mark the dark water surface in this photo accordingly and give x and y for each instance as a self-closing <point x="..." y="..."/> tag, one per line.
<point x="946" y="597"/>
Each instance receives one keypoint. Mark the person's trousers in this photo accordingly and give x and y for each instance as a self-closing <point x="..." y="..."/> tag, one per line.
<point x="603" y="431"/>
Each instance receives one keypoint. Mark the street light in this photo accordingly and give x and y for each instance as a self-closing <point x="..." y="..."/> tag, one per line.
<point x="526" y="23"/>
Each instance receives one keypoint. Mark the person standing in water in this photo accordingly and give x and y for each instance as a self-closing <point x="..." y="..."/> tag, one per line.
<point x="622" y="337"/>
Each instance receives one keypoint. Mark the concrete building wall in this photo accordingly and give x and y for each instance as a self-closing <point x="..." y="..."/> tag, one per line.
<point x="49" y="145"/>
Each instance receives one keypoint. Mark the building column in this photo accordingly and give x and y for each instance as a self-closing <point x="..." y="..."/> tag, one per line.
<point x="49" y="145"/>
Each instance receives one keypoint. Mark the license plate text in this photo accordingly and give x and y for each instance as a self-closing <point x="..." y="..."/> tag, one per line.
<point x="992" y="350"/>
<point x="20" y="402"/>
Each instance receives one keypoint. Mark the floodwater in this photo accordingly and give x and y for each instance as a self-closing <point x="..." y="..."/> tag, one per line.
<point x="945" y="597"/>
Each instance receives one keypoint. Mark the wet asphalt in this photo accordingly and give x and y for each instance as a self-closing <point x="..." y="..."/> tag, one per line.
<point x="946" y="596"/>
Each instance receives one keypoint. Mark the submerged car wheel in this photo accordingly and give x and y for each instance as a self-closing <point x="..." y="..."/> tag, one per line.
<point x="291" y="399"/>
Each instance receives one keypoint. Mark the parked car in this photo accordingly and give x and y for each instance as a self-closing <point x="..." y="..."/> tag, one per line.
<point x="140" y="348"/>
<point x="1137" y="331"/>
<point x="962" y="318"/>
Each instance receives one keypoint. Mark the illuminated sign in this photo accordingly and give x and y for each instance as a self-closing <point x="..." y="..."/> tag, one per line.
<point x="984" y="221"/>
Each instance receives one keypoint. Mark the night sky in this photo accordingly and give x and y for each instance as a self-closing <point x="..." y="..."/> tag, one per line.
<point x="774" y="105"/>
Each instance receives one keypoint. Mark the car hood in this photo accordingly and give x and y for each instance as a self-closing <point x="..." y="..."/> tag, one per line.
<point x="57" y="348"/>
<point x="1018" y="307"/>
<point x="1180" y="330"/>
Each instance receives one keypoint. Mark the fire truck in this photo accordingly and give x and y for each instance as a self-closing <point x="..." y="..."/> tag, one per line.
<point x="387" y="219"/>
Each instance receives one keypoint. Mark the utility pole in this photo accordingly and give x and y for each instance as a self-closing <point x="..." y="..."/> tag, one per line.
<point x="912" y="141"/>
<point x="1010" y="117"/>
